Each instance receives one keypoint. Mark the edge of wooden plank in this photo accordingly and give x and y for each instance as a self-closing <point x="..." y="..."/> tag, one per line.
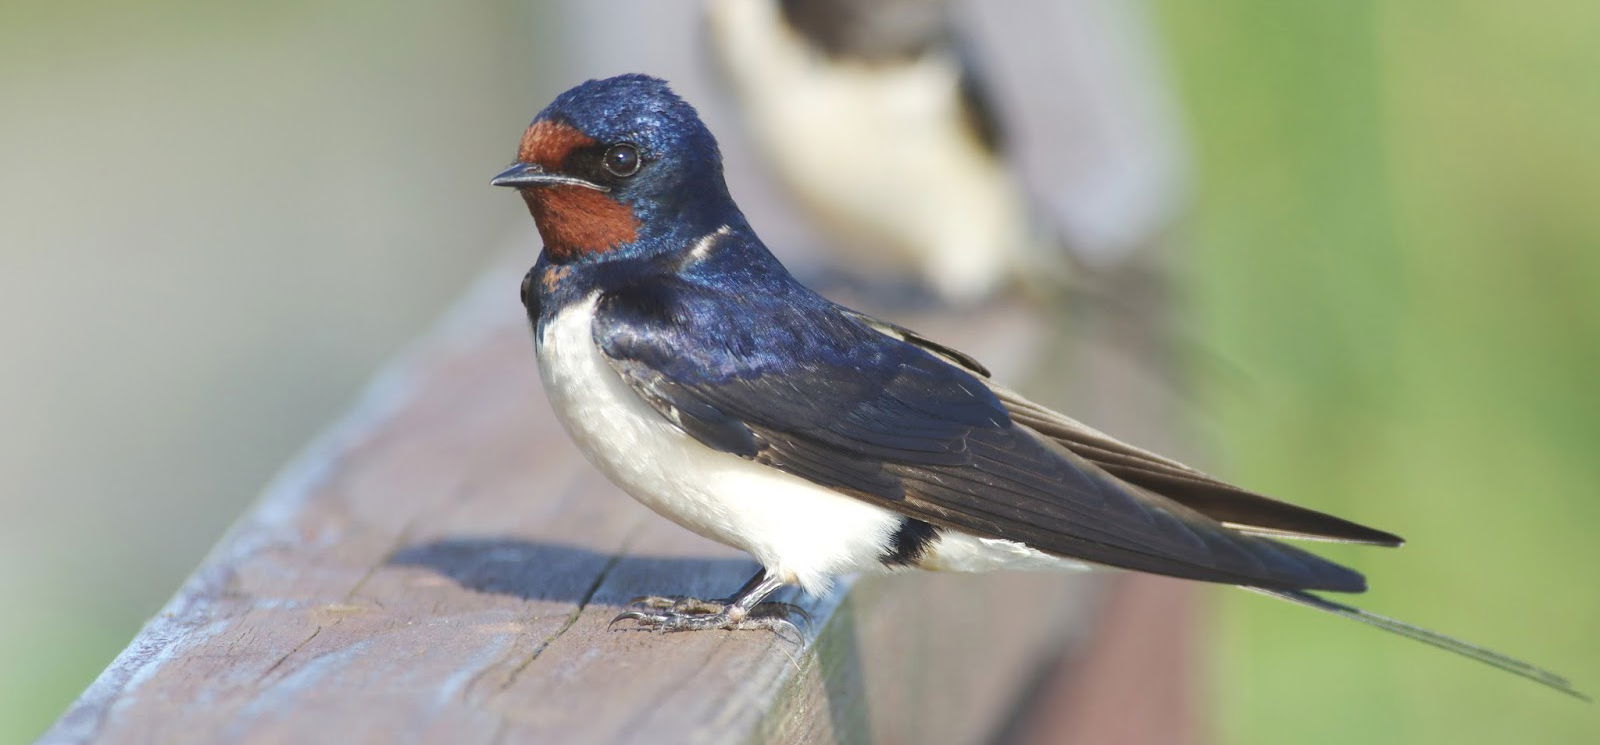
<point x="183" y="619"/>
<point x="202" y="608"/>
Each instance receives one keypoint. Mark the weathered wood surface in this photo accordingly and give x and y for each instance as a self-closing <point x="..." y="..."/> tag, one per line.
<point x="441" y="568"/>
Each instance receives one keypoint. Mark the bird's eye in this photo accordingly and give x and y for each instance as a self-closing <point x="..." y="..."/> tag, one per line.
<point x="622" y="160"/>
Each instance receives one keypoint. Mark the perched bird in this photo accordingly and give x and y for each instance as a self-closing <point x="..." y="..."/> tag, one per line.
<point x="875" y="119"/>
<point x="693" y="370"/>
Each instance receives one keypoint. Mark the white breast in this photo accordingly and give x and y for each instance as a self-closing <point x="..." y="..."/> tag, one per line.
<point x="803" y="532"/>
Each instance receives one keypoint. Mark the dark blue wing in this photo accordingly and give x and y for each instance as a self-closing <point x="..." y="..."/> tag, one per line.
<point x="802" y="387"/>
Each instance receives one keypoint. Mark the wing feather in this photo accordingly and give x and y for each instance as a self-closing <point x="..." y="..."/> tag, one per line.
<point x="825" y="397"/>
<point x="1224" y="502"/>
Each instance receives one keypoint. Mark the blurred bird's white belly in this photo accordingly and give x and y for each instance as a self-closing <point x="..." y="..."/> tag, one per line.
<point x="881" y="151"/>
<point x="803" y="532"/>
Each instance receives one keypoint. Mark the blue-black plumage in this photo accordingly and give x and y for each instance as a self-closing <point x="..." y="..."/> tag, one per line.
<point x="708" y="383"/>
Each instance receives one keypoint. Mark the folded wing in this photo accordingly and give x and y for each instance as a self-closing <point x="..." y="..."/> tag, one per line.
<point x="1228" y="504"/>
<point x="817" y="393"/>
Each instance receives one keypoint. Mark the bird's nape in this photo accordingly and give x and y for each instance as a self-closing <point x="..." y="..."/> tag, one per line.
<point x="706" y="381"/>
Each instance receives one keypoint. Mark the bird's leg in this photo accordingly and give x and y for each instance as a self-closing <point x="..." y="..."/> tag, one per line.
<point x="743" y="611"/>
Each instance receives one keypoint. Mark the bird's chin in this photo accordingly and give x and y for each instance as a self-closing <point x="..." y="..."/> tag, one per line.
<point x="574" y="221"/>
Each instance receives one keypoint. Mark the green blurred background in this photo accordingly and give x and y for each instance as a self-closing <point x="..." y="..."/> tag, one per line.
<point x="219" y="219"/>
<point x="1397" y="238"/>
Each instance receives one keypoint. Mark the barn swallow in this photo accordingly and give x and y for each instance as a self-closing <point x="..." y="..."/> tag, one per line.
<point x="702" y="378"/>
<point x="876" y="119"/>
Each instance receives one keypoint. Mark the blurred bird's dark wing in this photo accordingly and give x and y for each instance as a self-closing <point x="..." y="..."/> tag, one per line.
<point x="1230" y="505"/>
<point x="877" y="412"/>
<point x="815" y="393"/>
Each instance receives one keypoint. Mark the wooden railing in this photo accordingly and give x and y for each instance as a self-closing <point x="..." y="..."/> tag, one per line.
<point x="442" y="565"/>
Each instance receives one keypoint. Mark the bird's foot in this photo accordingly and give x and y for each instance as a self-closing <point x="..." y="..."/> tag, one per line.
<point x="690" y="614"/>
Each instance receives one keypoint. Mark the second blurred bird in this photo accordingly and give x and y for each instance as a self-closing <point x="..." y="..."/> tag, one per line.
<point x="872" y="114"/>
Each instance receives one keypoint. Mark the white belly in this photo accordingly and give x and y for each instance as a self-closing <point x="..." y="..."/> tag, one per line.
<point x="880" y="151"/>
<point x="800" y="531"/>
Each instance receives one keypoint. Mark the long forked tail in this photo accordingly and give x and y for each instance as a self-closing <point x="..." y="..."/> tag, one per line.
<point x="1487" y="657"/>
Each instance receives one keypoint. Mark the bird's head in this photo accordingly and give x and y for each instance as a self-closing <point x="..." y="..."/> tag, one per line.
<point x="619" y="167"/>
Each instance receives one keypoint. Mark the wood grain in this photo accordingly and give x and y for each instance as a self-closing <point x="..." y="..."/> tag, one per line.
<point x="442" y="566"/>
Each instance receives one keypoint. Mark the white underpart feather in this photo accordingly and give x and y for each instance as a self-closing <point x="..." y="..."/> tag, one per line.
<point x="960" y="552"/>
<point x="882" y="151"/>
<point x="804" y="533"/>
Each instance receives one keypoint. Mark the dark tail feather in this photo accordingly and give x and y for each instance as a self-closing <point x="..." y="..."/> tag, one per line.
<point x="1487" y="657"/>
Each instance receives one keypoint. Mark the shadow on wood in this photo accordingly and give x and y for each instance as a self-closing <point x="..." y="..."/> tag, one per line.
<point x="536" y="570"/>
<point x="442" y="566"/>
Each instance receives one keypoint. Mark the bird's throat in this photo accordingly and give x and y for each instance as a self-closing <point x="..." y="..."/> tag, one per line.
<point x="574" y="221"/>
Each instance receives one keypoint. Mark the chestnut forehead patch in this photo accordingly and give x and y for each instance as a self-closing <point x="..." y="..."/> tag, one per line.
<point x="549" y="143"/>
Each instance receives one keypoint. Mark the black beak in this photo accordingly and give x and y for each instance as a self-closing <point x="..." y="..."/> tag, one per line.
<point x="522" y="175"/>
